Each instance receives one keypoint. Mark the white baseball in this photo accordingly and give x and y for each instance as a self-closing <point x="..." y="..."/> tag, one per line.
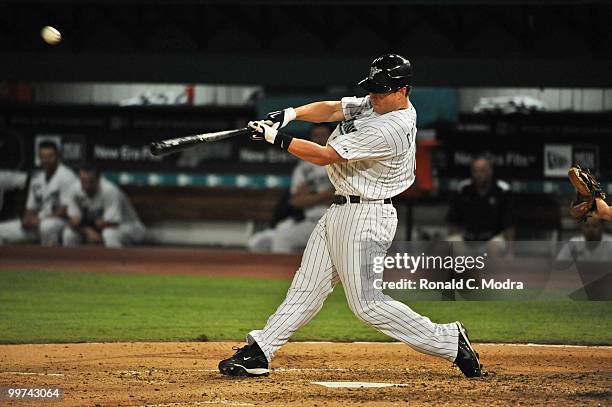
<point x="50" y="35"/>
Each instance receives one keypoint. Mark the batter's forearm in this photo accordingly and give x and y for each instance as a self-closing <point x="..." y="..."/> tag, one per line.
<point x="313" y="152"/>
<point x="317" y="112"/>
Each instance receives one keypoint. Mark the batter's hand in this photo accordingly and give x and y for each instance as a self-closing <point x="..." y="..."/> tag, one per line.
<point x="279" y="119"/>
<point x="262" y="129"/>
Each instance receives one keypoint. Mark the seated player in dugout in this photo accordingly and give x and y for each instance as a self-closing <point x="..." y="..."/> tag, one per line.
<point x="11" y="181"/>
<point x="311" y="192"/>
<point x="481" y="209"/>
<point x="100" y="213"/>
<point x="591" y="245"/>
<point x="369" y="158"/>
<point x="45" y="215"/>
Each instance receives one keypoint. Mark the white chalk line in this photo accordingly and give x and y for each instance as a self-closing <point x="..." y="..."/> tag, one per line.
<point x="33" y="374"/>
<point x="197" y="403"/>
<point x="357" y="385"/>
<point x="277" y="370"/>
<point x="311" y="369"/>
<point x="330" y="369"/>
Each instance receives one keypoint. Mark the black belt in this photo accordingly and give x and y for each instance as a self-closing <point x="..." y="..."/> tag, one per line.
<point x="341" y="199"/>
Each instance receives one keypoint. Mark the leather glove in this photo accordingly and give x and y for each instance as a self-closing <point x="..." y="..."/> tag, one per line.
<point x="587" y="189"/>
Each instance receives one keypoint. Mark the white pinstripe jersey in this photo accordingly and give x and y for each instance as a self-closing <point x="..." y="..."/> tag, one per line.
<point x="380" y="150"/>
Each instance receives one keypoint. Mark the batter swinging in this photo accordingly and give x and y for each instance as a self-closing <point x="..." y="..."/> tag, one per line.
<point x="370" y="157"/>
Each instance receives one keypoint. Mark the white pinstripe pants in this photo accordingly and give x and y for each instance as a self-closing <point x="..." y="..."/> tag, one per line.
<point x="333" y="254"/>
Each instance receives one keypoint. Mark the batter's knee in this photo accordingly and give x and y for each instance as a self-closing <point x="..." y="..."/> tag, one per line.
<point x="112" y="237"/>
<point x="308" y="298"/>
<point x="366" y="311"/>
<point x="50" y="231"/>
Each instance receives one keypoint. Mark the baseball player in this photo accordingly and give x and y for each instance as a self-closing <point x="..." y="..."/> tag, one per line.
<point x="99" y="212"/>
<point x="10" y="180"/>
<point x="312" y="192"/>
<point x="592" y="245"/>
<point x="370" y="157"/>
<point x="44" y="216"/>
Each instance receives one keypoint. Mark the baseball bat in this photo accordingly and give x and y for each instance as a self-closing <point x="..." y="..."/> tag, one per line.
<point x="181" y="143"/>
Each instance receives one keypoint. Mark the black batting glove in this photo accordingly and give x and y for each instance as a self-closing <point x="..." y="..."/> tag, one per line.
<point x="280" y="118"/>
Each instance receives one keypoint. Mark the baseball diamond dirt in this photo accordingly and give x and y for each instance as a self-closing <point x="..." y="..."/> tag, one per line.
<point x="185" y="373"/>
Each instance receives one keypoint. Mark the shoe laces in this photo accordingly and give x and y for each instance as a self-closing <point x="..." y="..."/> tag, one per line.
<point x="238" y="349"/>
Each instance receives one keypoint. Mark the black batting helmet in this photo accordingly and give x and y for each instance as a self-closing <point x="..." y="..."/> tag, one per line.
<point x="388" y="73"/>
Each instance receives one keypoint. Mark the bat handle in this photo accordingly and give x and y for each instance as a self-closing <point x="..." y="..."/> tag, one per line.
<point x="156" y="148"/>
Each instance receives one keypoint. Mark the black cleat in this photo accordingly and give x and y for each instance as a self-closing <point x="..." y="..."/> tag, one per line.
<point x="467" y="358"/>
<point x="247" y="361"/>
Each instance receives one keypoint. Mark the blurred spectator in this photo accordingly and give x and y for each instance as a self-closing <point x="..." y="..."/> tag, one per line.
<point x="312" y="192"/>
<point x="100" y="213"/>
<point x="10" y="180"/>
<point x="592" y="245"/>
<point x="482" y="207"/>
<point x="45" y="214"/>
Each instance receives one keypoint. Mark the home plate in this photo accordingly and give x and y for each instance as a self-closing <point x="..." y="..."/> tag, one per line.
<point x="354" y="385"/>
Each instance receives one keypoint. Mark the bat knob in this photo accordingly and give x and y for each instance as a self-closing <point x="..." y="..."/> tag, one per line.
<point x="156" y="148"/>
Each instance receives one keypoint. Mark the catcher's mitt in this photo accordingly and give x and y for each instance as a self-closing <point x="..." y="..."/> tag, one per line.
<point x="587" y="189"/>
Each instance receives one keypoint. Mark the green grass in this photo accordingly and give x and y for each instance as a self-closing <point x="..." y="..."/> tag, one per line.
<point x="40" y="306"/>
